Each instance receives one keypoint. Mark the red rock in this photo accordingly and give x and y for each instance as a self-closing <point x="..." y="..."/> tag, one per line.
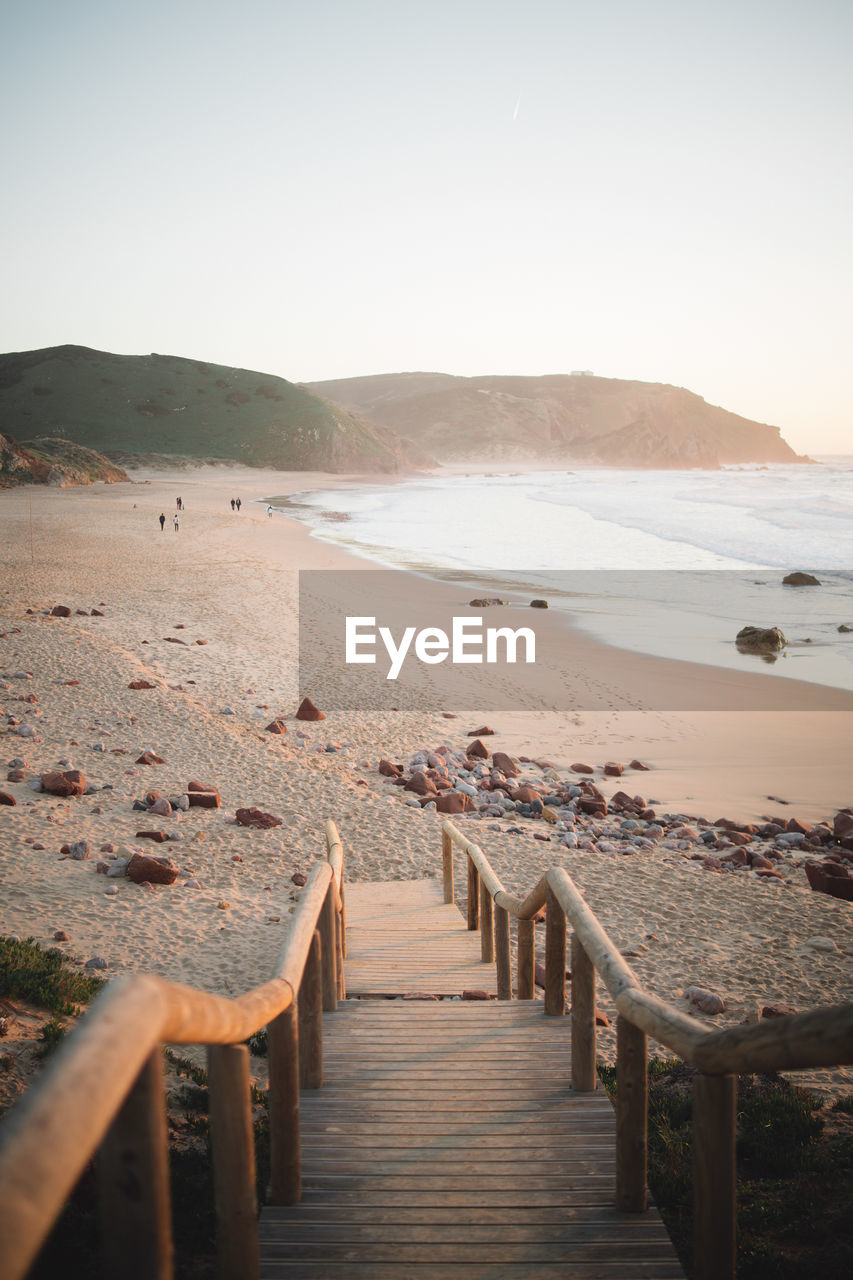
<point x="173" y="640"/>
<point x="710" y="863"/>
<point x="16" y="775"/>
<point x="601" y="1019"/>
<point x="421" y="785"/>
<point x="526" y="794"/>
<point x="201" y="642"/>
<point x="842" y="825"/>
<point x="612" y="769"/>
<point x="739" y="858"/>
<point x="447" y="715"/>
<point x="477" y="750"/>
<point x="149" y="757"/>
<point x="483" y="732"/>
<point x="151" y="797"/>
<point x="778" y="1011"/>
<point x="454" y="802"/>
<point x="82" y="612"/>
<point x="159" y="837"/>
<point x="144" y="870"/>
<point x="307" y="711"/>
<point x="60" y="611"/>
<point x="476" y="995"/>
<point x="96" y="613"/>
<point x="257" y="818"/>
<point x="60" y="935"/>
<point x="764" y="874"/>
<point x="141" y="684"/>
<point x="208" y="799"/>
<point x="738" y="837"/>
<point x="389" y="770"/>
<point x="502" y="762"/>
<point x="582" y="768"/>
<point x="837" y="886"/>
<point x="758" y="862"/>
<point x="70" y="783"/>
<point x="638" y="764"/>
<point x="5" y="798"/>
<point x="277" y="726"/>
<point x="589" y="804"/>
<point x="299" y="877"/>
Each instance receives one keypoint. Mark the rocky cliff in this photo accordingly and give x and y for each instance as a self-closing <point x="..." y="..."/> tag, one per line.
<point x="575" y="418"/>
<point x="51" y="461"/>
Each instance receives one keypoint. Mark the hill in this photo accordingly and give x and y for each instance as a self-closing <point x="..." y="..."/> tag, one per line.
<point x="566" y="418"/>
<point x="57" y="462"/>
<point x="174" y="406"/>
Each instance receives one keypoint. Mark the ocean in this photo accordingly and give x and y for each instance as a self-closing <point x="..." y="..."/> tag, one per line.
<point x="671" y="563"/>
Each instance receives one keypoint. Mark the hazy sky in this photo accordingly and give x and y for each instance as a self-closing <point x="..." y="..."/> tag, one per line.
<point x="656" y="189"/>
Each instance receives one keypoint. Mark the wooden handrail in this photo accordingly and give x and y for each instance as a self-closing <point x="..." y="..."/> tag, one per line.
<point x="818" y="1038"/>
<point x="51" y="1134"/>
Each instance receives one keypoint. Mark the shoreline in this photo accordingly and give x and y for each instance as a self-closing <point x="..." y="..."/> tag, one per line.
<point x="229" y="582"/>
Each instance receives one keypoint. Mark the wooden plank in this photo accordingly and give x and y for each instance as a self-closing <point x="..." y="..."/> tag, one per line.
<point x="653" y="1270"/>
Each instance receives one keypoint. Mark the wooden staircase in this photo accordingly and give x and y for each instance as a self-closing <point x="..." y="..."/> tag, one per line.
<point x="446" y="1142"/>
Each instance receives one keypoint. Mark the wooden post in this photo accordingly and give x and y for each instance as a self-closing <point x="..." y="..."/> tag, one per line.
<point x="487" y="933"/>
<point x="329" y="939"/>
<point x="584" y="1077"/>
<point x="343" y="919"/>
<point x="133" y="1175"/>
<point x="502" y="953"/>
<point x="473" y="895"/>
<point x="714" y="1176"/>
<point x="632" y="1114"/>
<point x="526" y="948"/>
<point x="341" y="990"/>
<point x="555" y="956"/>
<point x="285" y="1147"/>
<point x="232" y="1141"/>
<point x="310" y="1009"/>
<point x="447" y="864"/>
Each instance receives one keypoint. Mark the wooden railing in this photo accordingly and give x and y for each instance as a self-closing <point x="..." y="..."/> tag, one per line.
<point x="104" y="1091"/>
<point x="819" y="1038"/>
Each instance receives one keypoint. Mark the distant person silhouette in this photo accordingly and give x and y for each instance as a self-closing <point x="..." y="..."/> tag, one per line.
<point x="175" y="519"/>
<point x="238" y="504"/>
<point x="233" y="504"/>
<point x="162" y="522"/>
<point x="178" y="504"/>
<point x="269" y="512"/>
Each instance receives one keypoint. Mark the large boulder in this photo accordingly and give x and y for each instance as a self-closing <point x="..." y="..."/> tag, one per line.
<point x="308" y="711"/>
<point x="153" y="870"/>
<point x="503" y="762"/>
<point x="454" y="802"/>
<point x="800" y="579"/>
<point x="69" y="783"/>
<point x="760" y="639"/>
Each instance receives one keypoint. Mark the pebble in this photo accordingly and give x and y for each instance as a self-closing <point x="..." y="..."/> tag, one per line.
<point x="98" y="962"/>
<point x="111" y="891"/>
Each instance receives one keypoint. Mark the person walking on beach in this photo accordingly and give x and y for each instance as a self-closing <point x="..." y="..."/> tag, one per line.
<point x="269" y="513"/>
<point x="238" y="504"/>
<point x="162" y="521"/>
<point x="178" y="504"/>
<point x="175" y="519"/>
<point x="232" y="504"/>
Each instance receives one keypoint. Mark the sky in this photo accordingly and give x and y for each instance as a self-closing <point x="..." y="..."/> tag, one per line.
<point x="651" y="189"/>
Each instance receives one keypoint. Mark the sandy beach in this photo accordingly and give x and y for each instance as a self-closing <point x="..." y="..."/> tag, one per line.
<point x="225" y="587"/>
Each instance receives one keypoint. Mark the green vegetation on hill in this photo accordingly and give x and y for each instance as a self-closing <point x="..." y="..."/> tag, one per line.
<point x="174" y="406"/>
